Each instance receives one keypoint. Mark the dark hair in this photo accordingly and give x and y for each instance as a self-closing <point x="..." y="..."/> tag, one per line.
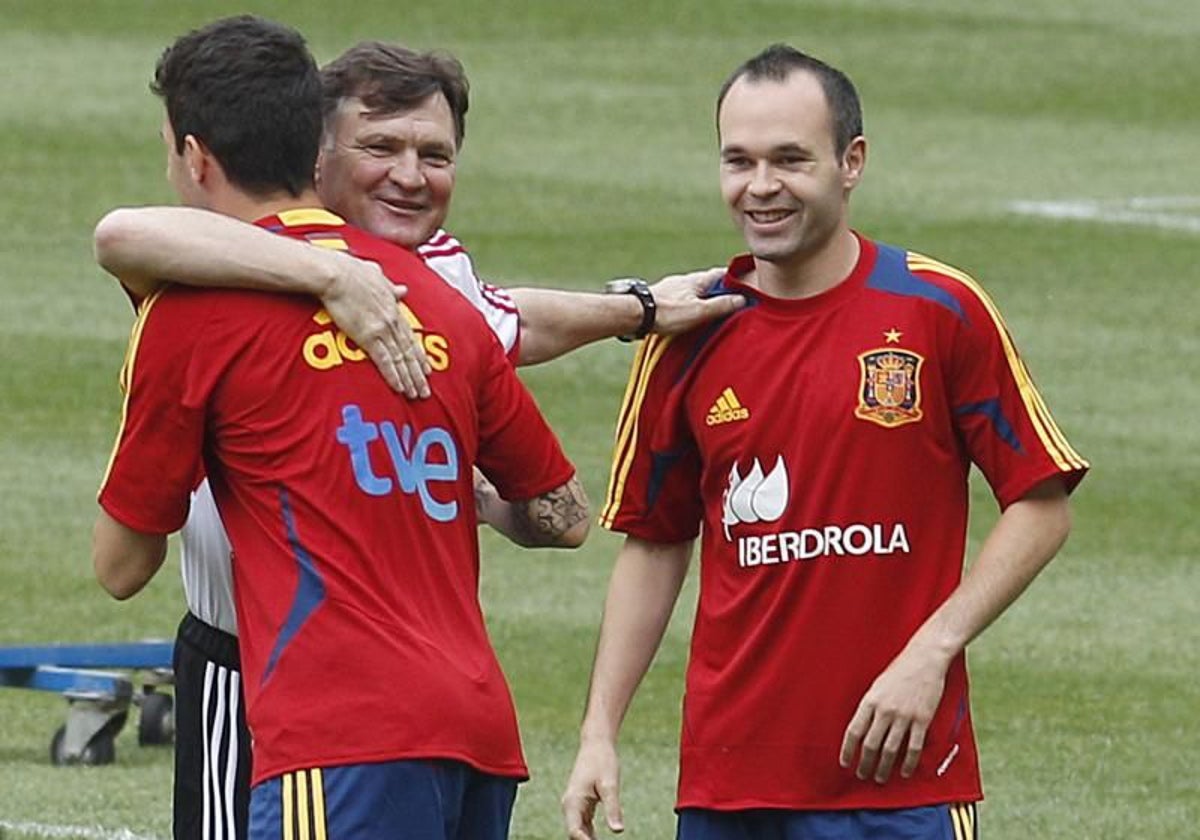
<point x="389" y="78"/>
<point x="249" y="90"/>
<point x="778" y="61"/>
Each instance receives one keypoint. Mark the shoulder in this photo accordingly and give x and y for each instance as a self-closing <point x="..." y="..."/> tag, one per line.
<point x="911" y="274"/>
<point x="441" y="245"/>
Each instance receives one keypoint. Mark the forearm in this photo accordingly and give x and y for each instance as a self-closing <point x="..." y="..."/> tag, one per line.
<point x="642" y="592"/>
<point x="558" y="519"/>
<point x="555" y="322"/>
<point x="143" y="246"/>
<point x="125" y="560"/>
<point x="1023" y="541"/>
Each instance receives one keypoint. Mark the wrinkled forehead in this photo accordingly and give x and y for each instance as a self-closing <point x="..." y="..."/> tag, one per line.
<point x="432" y="115"/>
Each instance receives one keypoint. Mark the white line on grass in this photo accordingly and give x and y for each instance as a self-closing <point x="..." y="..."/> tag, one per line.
<point x="1180" y="212"/>
<point x="72" y="832"/>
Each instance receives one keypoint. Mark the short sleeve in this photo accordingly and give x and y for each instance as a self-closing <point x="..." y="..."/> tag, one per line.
<point x="654" y="483"/>
<point x="1000" y="415"/>
<point x="450" y="260"/>
<point x="158" y="453"/>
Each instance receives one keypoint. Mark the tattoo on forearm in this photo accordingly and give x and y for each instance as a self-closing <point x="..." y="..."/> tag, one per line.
<point x="543" y="519"/>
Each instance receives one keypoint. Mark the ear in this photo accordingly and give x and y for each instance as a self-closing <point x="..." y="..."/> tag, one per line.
<point x="854" y="161"/>
<point x="198" y="160"/>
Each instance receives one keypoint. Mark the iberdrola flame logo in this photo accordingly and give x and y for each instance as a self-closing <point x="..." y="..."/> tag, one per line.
<point x="756" y="497"/>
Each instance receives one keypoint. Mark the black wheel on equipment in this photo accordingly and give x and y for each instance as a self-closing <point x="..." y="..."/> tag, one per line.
<point x="156" y="722"/>
<point x="100" y="750"/>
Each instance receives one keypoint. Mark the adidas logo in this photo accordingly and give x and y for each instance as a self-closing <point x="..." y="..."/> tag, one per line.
<point x="727" y="409"/>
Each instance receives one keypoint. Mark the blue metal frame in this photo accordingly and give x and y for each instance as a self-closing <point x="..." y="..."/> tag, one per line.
<point x="70" y="670"/>
<point x="128" y="655"/>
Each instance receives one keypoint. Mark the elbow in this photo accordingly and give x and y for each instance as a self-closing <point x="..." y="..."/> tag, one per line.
<point x="119" y="592"/>
<point x="575" y="536"/>
<point x="124" y="565"/>
<point x="112" y="236"/>
<point x="110" y="577"/>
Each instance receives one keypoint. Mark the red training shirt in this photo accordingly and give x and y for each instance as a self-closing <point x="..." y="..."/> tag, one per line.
<point x="350" y="508"/>
<point x="821" y="447"/>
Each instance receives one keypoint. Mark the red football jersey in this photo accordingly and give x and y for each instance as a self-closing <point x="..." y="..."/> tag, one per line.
<point x="821" y="448"/>
<point x="350" y="508"/>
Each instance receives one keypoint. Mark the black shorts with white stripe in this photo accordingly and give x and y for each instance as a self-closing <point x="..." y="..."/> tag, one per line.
<point x="212" y="744"/>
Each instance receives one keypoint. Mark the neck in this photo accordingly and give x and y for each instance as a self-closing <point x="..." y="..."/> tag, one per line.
<point x="807" y="275"/>
<point x="248" y="207"/>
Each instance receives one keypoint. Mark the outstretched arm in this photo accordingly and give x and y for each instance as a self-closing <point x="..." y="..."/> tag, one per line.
<point x="892" y="718"/>
<point x="555" y="322"/>
<point x="143" y="246"/>
<point x="642" y="593"/>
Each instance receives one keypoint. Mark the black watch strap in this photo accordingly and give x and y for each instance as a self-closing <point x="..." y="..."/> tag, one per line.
<point x="638" y="288"/>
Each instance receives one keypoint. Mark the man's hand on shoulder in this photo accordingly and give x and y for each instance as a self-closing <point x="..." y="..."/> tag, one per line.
<point x="682" y="303"/>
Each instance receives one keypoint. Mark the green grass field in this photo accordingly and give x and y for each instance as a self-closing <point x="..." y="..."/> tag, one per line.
<point x="591" y="154"/>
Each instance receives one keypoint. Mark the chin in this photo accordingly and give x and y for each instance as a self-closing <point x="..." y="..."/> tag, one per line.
<point x="406" y="234"/>
<point x="773" y="252"/>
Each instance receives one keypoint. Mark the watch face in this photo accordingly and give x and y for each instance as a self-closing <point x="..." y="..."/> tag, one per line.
<point x="622" y="285"/>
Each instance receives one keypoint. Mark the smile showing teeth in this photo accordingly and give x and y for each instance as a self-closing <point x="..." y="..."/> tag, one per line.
<point x="401" y="206"/>
<point x="768" y="216"/>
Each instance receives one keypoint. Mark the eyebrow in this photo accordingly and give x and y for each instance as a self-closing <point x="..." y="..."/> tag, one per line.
<point x="736" y="149"/>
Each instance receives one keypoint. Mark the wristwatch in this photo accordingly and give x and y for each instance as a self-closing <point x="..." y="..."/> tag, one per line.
<point x="638" y="288"/>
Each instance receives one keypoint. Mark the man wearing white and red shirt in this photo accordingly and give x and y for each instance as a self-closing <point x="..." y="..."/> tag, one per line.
<point x="818" y="442"/>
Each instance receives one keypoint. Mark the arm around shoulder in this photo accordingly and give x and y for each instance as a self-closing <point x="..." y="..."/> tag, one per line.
<point x="144" y="246"/>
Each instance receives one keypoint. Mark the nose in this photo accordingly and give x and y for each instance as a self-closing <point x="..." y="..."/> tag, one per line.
<point x="764" y="182"/>
<point x="406" y="172"/>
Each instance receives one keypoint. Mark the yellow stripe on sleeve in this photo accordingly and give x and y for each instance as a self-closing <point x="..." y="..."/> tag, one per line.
<point x="1052" y="438"/>
<point x="619" y="434"/>
<point x="648" y="357"/>
<point x="125" y="378"/>
<point x="337" y="244"/>
<point x="309" y="216"/>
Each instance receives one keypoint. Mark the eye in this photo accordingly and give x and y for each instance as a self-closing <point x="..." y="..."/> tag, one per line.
<point x="792" y="159"/>
<point x="376" y="149"/>
<point x="437" y="158"/>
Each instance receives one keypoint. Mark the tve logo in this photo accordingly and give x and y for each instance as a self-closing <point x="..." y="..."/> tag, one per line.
<point x="430" y="459"/>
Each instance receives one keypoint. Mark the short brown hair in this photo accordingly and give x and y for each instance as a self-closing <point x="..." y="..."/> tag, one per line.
<point x="248" y="89"/>
<point x="389" y="77"/>
<point x="778" y="61"/>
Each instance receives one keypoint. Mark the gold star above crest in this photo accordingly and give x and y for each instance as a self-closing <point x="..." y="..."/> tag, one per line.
<point x="893" y="336"/>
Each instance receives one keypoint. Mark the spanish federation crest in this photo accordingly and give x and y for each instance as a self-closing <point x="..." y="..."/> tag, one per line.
<point x="889" y="390"/>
